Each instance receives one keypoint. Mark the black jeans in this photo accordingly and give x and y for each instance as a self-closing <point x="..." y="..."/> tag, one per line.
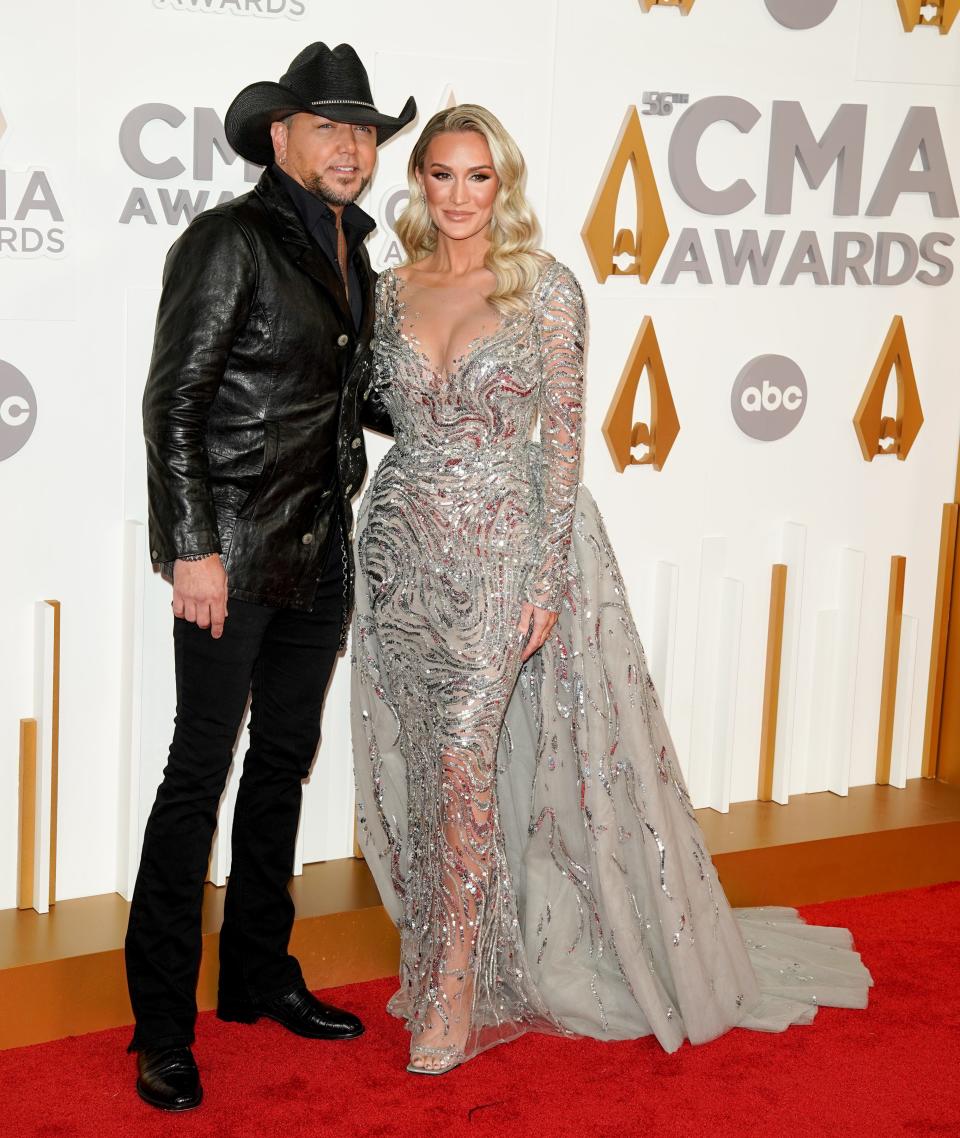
<point x="283" y="659"/>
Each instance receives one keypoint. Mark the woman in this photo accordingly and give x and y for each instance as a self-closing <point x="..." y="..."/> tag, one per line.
<point x="521" y="805"/>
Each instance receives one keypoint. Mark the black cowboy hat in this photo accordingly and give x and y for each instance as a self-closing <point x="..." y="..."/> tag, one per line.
<point x="319" y="81"/>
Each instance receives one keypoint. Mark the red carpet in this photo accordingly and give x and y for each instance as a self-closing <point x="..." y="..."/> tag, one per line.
<point x="890" y="1070"/>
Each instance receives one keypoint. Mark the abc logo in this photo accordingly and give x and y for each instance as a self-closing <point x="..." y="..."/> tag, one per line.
<point x="800" y="14"/>
<point x="18" y="410"/>
<point x="769" y="398"/>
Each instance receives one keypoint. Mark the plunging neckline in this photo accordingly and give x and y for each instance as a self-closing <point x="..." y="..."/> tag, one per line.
<point x="459" y="362"/>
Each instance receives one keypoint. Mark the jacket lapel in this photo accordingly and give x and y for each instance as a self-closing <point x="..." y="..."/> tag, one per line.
<point x="368" y="280"/>
<point x="301" y="248"/>
<point x="312" y="259"/>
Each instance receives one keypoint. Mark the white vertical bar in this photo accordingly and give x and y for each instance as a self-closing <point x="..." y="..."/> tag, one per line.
<point x="45" y="617"/>
<point x="298" y="848"/>
<point x="818" y="733"/>
<point x="700" y="752"/>
<point x="219" y="867"/>
<point x="725" y="692"/>
<point x="663" y="642"/>
<point x="131" y="706"/>
<point x="793" y="540"/>
<point x="220" y="854"/>
<point x="850" y="597"/>
<point x="326" y="820"/>
<point x="903" y="711"/>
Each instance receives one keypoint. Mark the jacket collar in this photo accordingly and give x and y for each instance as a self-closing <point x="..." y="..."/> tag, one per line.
<point x="308" y="255"/>
<point x="318" y="218"/>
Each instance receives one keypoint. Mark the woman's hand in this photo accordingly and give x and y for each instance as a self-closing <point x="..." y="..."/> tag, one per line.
<point x="540" y="622"/>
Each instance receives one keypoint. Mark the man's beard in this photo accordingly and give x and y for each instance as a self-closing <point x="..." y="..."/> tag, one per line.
<point x="331" y="194"/>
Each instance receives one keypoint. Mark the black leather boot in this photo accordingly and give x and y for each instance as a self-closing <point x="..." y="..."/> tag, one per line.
<point x="298" y="1011"/>
<point x="168" y="1078"/>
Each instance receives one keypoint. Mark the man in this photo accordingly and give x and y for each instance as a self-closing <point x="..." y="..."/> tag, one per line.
<point x="257" y="388"/>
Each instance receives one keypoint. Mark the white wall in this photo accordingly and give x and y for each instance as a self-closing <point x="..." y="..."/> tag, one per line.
<point x="79" y="325"/>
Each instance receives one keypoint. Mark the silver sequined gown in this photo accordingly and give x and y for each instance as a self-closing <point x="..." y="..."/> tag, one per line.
<point x="531" y="824"/>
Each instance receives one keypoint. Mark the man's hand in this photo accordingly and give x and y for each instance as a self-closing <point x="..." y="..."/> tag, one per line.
<point x="540" y="622"/>
<point x="200" y="593"/>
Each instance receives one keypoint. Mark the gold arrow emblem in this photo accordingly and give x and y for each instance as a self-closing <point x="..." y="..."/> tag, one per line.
<point x="913" y="14"/>
<point x="646" y="241"/>
<point x="619" y="430"/>
<point x="871" y="425"/>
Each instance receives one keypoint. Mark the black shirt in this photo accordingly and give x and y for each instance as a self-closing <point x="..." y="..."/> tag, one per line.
<point x="321" y="223"/>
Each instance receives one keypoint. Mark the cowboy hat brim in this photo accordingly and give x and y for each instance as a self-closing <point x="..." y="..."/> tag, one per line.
<point x="249" y="116"/>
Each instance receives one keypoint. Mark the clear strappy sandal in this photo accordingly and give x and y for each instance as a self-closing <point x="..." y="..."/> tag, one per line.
<point x="450" y="1056"/>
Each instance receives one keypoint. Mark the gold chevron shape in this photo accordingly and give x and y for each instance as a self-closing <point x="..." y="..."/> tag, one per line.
<point x="619" y="430"/>
<point x="869" y="422"/>
<point x="912" y="14"/>
<point x="683" y="5"/>
<point x="647" y="241"/>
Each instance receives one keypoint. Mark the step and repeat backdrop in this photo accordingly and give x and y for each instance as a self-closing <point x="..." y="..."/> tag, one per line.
<point x="760" y="200"/>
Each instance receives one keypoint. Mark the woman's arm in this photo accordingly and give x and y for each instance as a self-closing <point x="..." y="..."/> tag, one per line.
<point x="561" y="320"/>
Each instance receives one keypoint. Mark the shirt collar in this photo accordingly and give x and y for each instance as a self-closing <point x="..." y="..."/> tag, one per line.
<point x="315" y="213"/>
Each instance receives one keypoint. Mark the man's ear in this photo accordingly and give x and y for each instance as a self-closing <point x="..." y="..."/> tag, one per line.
<point x="278" y="134"/>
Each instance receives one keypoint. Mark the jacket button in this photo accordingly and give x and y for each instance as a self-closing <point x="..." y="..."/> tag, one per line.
<point x="154" y="555"/>
<point x="307" y="539"/>
<point x="343" y="339"/>
<point x="355" y="443"/>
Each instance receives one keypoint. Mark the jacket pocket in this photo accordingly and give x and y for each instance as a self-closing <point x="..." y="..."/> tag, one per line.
<point x="271" y="454"/>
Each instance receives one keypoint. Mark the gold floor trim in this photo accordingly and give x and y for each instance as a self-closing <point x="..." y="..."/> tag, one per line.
<point x="27" y="831"/>
<point x="891" y="666"/>
<point x="771" y="681"/>
<point x="938" y="641"/>
<point x="62" y="974"/>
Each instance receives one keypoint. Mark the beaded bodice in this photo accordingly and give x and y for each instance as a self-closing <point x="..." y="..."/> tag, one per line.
<point x="467" y="426"/>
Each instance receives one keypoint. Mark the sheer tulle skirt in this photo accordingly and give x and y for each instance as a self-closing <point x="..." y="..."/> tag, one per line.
<point x="559" y="867"/>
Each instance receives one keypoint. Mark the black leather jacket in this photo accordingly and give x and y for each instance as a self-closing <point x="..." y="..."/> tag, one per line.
<point x="253" y="407"/>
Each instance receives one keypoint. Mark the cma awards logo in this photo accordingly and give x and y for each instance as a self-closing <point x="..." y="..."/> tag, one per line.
<point x="916" y="165"/>
<point x="292" y="9"/>
<point x="30" y="215"/>
<point x="18" y="410"/>
<point x="805" y="14"/>
<point x="790" y="13"/>
<point x="154" y="139"/>
<point x="392" y="204"/>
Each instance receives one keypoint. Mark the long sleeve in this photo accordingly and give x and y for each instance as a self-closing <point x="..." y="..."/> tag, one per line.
<point x="374" y="414"/>
<point x="373" y="410"/>
<point x="561" y="322"/>
<point x="209" y="282"/>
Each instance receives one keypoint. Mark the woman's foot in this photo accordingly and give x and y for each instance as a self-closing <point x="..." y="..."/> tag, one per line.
<point x="441" y="1044"/>
<point x="426" y="1060"/>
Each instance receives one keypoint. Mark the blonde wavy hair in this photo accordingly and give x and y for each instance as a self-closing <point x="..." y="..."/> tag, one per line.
<point x="515" y="257"/>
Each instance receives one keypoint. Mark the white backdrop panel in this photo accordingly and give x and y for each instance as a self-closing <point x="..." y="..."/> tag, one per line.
<point x="78" y="323"/>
